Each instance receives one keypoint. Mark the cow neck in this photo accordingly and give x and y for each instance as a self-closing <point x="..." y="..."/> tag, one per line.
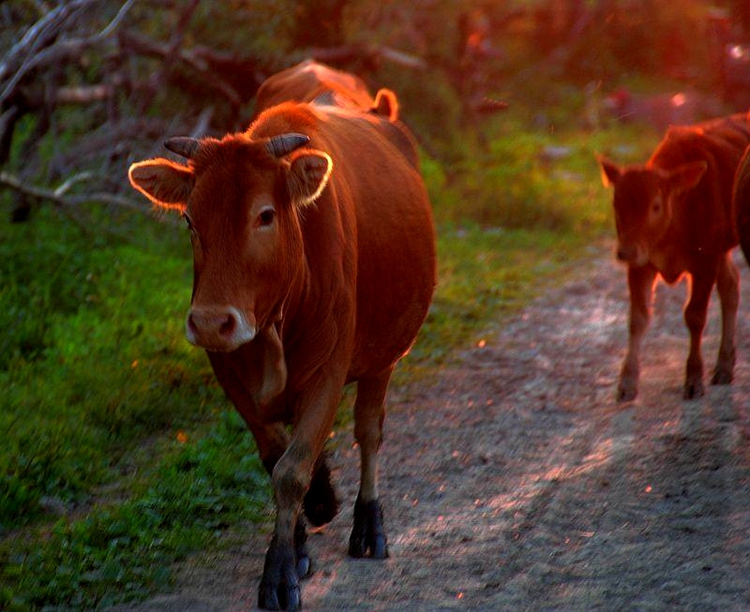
<point x="289" y="304"/>
<point x="319" y="316"/>
<point x="274" y="376"/>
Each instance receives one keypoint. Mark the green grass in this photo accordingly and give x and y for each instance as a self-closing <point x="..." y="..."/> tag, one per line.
<point x="120" y="454"/>
<point x="99" y="383"/>
<point x="121" y="551"/>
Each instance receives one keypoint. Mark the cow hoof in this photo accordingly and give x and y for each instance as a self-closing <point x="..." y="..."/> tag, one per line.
<point x="279" y="588"/>
<point x="285" y="598"/>
<point x="368" y="535"/>
<point x="693" y="390"/>
<point x="722" y="377"/>
<point x="320" y="503"/>
<point x="627" y="391"/>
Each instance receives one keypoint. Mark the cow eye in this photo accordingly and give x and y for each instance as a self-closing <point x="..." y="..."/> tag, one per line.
<point x="266" y="216"/>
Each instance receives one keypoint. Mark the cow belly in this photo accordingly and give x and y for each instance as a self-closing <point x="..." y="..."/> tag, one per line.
<point x="378" y="352"/>
<point x="394" y="298"/>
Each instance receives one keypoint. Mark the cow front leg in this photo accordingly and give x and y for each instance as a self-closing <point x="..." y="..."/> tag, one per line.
<point x="728" y="285"/>
<point x="271" y="438"/>
<point x="641" y="287"/>
<point x="368" y="534"/>
<point x="283" y="569"/>
<point x="695" y="320"/>
<point x="286" y="559"/>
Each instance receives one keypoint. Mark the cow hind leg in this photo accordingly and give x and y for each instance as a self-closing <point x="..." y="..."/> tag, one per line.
<point x="368" y="536"/>
<point x="321" y="503"/>
<point x="728" y="286"/>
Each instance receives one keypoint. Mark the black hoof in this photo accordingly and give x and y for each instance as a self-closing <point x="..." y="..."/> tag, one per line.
<point x="279" y="588"/>
<point x="627" y="391"/>
<point x="320" y="503"/>
<point x="368" y="536"/>
<point x="693" y="390"/>
<point x="283" y="597"/>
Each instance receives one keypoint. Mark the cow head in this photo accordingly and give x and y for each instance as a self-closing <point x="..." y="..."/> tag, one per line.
<point x="241" y="199"/>
<point x="644" y="200"/>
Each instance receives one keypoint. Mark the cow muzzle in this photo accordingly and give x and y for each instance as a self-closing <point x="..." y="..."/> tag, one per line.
<point x="218" y="328"/>
<point x="631" y="254"/>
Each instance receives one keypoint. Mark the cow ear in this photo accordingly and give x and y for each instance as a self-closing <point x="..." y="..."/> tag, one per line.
<point x="687" y="176"/>
<point x="386" y="104"/>
<point x="307" y="175"/>
<point x="611" y="172"/>
<point x="165" y="183"/>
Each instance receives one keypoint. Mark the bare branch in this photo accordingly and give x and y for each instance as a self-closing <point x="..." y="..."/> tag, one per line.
<point x="60" y="50"/>
<point x="38" y="35"/>
<point x="139" y="44"/>
<point x="115" y="23"/>
<point x="402" y="59"/>
<point x="78" y="178"/>
<point x="83" y="95"/>
<point x="58" y="196"/>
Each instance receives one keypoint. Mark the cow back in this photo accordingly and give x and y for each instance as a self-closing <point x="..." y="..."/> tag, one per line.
<point x="311" y="80"/>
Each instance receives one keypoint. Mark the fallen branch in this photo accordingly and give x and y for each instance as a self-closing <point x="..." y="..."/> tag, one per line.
<point x="59" y="196"/>
<point x="58" y="51"/>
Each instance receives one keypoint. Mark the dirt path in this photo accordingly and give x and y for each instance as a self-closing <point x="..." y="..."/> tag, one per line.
<point x="516" y="482"/>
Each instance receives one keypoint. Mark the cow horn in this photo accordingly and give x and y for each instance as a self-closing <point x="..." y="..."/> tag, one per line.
<point x="281" y="145"/>
<point x="183" y="145"/>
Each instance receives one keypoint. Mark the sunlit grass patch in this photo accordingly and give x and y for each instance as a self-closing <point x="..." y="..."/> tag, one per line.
<point x="537" y="179"/>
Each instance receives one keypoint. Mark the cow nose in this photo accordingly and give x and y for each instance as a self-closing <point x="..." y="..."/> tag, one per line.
<point x="218" y="328"/>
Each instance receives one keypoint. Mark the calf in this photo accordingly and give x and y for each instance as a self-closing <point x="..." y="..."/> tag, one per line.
<point x="674" y="218"/>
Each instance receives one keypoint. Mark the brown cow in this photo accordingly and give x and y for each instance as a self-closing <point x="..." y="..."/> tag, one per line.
<point x="314" y="266"/>
<point x="674" y="217"/>
<point x="312" y="81"/>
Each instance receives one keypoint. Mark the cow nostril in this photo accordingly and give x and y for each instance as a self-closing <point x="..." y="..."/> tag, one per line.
<point x="228" y="325"/>
<point x="220" y="328"/>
